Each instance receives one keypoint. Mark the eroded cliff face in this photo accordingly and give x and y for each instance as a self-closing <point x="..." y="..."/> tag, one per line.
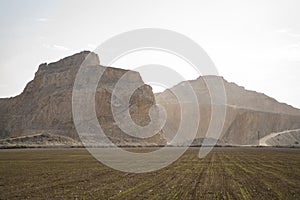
<point x="45" y="105"/>
<point x="45" y="108"/>
<point x="249" y="115"/>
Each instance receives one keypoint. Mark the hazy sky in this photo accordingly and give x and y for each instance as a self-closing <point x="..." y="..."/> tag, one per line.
<point x="254" y="43"/>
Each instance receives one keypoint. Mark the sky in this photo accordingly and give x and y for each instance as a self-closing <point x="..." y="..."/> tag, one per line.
<point x="254" y="43"/>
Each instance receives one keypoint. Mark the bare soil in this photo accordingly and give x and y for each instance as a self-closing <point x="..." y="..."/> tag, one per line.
<point x="226" y="173"/>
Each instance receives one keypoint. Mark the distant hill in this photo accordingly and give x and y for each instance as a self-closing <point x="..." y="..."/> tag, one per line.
<point x="249" y="115"/>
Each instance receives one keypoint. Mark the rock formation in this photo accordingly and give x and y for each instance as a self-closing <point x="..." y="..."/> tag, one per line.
<point x="45" y="105"/>
<point x="43" y="111"/>
<point x="249" y="115"/>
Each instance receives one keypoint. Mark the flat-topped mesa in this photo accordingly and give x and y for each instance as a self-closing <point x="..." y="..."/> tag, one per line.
<point x="70" y="62"/>
<point x="60" y="74"/>
<point x="45" y="106"/>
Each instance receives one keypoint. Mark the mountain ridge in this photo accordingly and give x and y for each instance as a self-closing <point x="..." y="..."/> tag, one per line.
<point x="45" y="106"/>
<point x="247" y="112"/>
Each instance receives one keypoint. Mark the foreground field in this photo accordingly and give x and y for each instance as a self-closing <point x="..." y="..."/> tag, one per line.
<point x="226" y="173"/>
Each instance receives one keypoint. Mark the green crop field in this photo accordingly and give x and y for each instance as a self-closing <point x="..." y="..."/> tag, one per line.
<point x="226" y="173"/>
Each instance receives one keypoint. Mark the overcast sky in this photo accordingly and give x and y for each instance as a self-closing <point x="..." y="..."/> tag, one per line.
<point x="253" y="43"/>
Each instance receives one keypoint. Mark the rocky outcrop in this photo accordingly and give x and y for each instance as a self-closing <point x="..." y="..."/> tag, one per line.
<point x="45" y="105"/>
<point x="39" y="140"/>
<point x="44" y="109"/>
<point x="249" y="115"/>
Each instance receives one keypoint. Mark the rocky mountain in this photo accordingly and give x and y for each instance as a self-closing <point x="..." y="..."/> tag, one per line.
<point x="250" y="116"/>
<point x="45" y="105"/>
<point x="42" y="113"/>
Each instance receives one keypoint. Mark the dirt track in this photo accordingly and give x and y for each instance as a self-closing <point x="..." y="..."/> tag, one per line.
<point x="263" y="141"/>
